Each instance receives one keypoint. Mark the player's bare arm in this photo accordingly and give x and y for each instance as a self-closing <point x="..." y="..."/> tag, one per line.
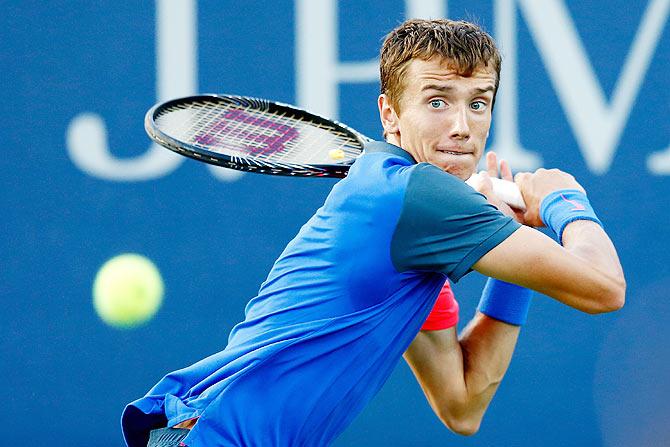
<point x="460" y="374"/>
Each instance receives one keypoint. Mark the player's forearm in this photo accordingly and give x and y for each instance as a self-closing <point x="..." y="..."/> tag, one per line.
<point x="487" y="346"/>
<point x="602" y="287"/>
<point x="460" y="382"/>
<point x="588" y="241"/>
<point x="568" y="212"/>
<point x="461" y="376"/>
<point x="533" y="260"/>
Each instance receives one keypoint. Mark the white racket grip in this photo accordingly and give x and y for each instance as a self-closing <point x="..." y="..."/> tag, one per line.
<point x="507" y="191"/>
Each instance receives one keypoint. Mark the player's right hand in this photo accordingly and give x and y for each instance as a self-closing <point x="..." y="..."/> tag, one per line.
<point x="481" y="182"/>
<point x="538" y="185"/>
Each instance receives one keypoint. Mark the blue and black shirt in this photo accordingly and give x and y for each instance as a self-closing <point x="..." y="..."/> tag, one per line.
<point x="338" y="309"/>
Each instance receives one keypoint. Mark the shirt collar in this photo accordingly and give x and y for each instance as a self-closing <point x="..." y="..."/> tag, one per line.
<point x="383" y="146"/>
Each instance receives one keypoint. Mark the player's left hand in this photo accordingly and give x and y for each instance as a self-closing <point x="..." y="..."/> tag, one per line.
<point x="481" y="182"/>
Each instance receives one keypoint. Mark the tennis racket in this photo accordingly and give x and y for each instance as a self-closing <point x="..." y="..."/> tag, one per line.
<point x="267" y="137"/>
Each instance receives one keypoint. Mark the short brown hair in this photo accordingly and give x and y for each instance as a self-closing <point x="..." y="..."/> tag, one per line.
<point x="464" y="45"/>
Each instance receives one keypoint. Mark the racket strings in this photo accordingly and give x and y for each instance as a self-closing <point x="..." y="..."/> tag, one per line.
<point x="330" y="138"/>
<point x="194" y="120"/>
<point x="275" y="135"/>
<point x="291" y="149"/>
<point x="220" y="131"/>
<point x="197" y="125"/>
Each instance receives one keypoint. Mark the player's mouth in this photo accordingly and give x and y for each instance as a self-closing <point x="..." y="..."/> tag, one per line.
<point x="452" y="152"/>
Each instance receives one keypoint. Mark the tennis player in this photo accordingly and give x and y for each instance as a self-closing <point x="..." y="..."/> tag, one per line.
<point x="353" y="290"/>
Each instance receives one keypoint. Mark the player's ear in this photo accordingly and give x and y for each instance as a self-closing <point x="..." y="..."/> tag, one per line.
<point x="388" y="115"/>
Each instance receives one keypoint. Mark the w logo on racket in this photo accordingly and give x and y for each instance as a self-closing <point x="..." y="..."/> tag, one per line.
<point x="260" y="136"/>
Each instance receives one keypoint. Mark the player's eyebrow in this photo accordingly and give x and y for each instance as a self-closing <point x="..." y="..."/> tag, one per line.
<point x="445" y="88"/>
<point x="482" y="90"/>
<point x="438" y="87"/>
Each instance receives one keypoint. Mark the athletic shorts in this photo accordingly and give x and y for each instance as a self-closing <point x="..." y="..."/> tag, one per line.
<point x="167" y="437"/>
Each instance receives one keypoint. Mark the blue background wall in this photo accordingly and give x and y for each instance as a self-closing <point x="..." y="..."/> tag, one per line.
<point x="575" y="379"/>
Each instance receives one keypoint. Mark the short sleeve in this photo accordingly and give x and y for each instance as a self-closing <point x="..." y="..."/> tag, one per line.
<point x="445" y="226"/>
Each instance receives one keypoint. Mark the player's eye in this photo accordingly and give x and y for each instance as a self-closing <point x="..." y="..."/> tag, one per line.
<point x="478" y="105"/>
<point x="437" y="103"/>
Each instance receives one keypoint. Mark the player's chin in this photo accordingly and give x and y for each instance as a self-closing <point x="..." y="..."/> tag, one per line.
<point x="462" y="167"/>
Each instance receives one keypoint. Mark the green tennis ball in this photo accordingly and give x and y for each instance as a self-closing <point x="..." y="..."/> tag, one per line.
<point x="127" y="291"/>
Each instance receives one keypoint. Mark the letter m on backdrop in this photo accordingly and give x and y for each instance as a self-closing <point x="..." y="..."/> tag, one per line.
<point x="596" y="122"/>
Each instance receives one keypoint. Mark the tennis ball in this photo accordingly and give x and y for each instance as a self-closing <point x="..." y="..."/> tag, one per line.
<point x="127" y="291"/>
<point x="336" y="154"/>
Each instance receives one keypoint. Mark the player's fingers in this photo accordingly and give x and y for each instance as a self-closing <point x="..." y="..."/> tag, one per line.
<point x="531" y="216"/>
<point x="505" y="171"/>
<point x="492" y="164"/>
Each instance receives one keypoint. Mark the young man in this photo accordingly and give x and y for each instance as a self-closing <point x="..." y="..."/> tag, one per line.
<point x="351" y="292"/>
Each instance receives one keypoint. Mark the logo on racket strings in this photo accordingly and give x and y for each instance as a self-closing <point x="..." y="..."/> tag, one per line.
<point x="237" y="126"/>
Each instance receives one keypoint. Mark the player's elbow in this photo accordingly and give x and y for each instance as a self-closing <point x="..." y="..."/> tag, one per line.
<point x="612" y="304"/>
<point x="611" y="299"/>
<point x="462" y="424"/>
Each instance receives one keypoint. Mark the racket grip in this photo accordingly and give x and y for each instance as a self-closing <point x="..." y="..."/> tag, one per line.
<point x="507" y="191"/>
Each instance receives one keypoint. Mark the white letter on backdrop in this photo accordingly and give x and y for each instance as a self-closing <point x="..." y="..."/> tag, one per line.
<point x="596" y="122"/>
<point x="176" y="54"/>
<point x="319" y="72"/>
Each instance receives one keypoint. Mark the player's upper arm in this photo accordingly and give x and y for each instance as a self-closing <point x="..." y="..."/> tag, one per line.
<point x="533" y="260"/>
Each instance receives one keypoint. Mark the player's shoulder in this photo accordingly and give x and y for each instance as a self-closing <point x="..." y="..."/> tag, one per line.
<point x="382" y="168"/>
<point x="376" y="152"/>
<point x="419" y="181"/>
<point x="428" y="183"/>
<point x="429" y="175"/>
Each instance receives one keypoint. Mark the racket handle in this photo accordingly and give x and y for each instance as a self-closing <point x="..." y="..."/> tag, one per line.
<point x="507" y="191"/>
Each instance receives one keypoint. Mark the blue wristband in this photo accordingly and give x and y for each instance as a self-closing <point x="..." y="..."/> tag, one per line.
<point x="505" y="302"/>
<point x="561" y="207"/>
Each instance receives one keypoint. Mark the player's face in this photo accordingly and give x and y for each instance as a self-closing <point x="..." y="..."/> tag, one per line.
<point x="444" y="117"/>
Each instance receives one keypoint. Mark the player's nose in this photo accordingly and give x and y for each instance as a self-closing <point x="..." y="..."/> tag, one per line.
<point x="459" y="128"/>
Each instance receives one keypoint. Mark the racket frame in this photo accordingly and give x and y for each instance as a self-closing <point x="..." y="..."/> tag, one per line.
<point x="251" y="164"/>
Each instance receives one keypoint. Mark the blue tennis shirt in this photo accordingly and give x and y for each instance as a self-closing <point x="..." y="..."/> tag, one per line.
<point x="336" y="312"/>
